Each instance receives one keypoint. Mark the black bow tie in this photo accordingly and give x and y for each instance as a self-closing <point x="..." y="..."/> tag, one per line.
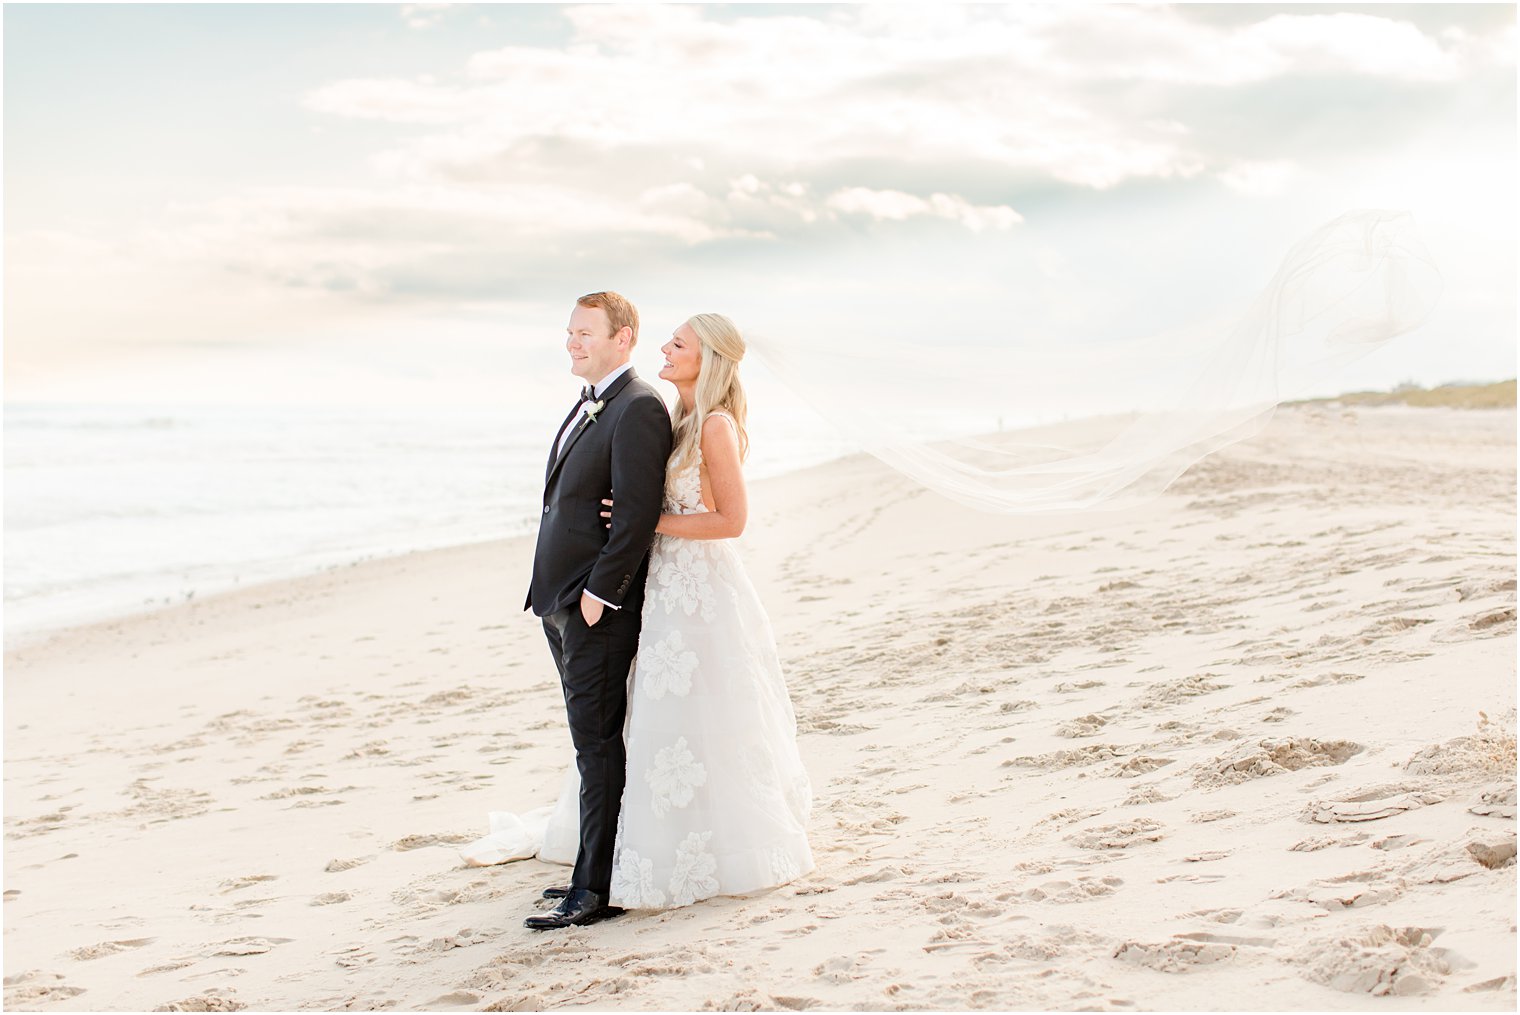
<point x="588" y="394"/>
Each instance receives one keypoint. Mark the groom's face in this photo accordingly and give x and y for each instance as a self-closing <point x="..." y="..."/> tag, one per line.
<point x="594" y="350"/>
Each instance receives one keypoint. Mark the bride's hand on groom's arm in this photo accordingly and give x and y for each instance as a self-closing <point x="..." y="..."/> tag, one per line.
<point x="660" y="527"/>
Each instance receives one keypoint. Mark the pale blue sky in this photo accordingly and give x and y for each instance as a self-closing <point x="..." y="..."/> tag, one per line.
<point x="382" y="202"/>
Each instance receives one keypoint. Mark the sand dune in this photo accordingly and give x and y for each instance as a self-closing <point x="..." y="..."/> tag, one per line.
<point x="1252" y="745"/>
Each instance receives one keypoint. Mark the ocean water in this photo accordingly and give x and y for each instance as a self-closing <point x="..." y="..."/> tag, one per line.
<point x="114" y="509"/>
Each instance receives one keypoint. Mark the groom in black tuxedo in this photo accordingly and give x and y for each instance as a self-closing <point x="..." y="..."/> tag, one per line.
<point x="588" y="579"/>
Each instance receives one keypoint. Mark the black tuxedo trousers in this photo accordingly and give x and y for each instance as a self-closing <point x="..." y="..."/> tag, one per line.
<point x="620" y="454"/>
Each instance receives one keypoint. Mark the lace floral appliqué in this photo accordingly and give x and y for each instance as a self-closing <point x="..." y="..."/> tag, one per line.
<point x="667" y="668"/>
<point x="674" y="778"/>
<point x="633" y="881"/>
<point x="784" y="866"/>
<point x="683" y="576"/>
<point x="692" y="878"/>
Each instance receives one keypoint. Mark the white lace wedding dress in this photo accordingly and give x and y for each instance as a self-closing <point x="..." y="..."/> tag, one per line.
<point x="716" y="800"/>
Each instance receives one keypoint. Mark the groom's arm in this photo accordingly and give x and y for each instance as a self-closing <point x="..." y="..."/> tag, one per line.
<point x="640" y="448"/>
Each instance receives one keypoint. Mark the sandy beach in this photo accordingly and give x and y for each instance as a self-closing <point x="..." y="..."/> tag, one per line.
<point x="1249" y="746"/>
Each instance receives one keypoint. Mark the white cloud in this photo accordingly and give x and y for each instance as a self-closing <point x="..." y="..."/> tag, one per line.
<point x="1259" y="179"/>
<point x="1007" y="85"/>
<point x="395" y="99"/>
<point x="894" y="205"/>
<point x="1354" y="43"/>
<point x="421" y="16"/>
<point x="658" y="127"/>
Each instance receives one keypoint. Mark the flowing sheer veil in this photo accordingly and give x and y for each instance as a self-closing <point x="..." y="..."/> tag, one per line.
<point x="931" y="409"/>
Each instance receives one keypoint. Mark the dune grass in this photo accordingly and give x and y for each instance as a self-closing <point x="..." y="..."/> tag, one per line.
<point x="1499" y="395"/>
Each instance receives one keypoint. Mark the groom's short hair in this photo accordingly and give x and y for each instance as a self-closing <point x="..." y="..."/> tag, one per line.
<point x="619" y="312"/>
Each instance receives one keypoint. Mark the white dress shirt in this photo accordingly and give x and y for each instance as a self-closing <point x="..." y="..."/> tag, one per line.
<point x="559" y="445"/>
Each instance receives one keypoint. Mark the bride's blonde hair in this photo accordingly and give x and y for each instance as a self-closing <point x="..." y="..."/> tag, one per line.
<point x="718" y="386"/>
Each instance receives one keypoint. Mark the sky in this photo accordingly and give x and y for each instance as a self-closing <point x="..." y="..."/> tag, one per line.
<point x="399" y="203"/>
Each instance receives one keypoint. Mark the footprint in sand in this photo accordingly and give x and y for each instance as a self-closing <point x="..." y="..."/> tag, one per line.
<point x="1119" y="836"/>
<point x="888" y="873"/>
<point x="1068" y="816"/>
<point x="1076" y="757"/>
<point x="1481" y="589"/>
<point x="1371" y="804"/>
<point x="305" y="795"/>
<point x="240" y="946"/>
<point x="1172" y="692"/>
<point x="1204" y="817"/>
<point x="1380" y="961"/>
<point x="104" y="948"/>
<point x="353" y="956"/>
<point x="1175" y="956"/>
<point x="211" y="1001"/>
<point x="1392" y="842"/>
<point x="455" y="999"/>
<point x="1490" y="751"/>
<point x="333" y="866"/>
<point x="34" y="987"/>
<point x="1315" y="843"/>
<point x="18" y="828"/>
<point x="1082" y="726"/>
<point x="1073" y="686"/>
<point x="1496" y="802"/>
<point x="233" y="884"/>
<point x="408" y="842"/>
<point x="1197" y="879"/>
<point x="1494" y="854"/>
<point x="1353" y="891"/>
<point x="463" y="938"/>
<point x="1062" y="892"/>
<point x="1488" y="624"/>
<point x="1215" y="916"/>
<point x="1140" y="764"/>
<point x="1262" y="758"/>
<point x="840" y="969"/>
<point x="1323" y="679"/>
<point x="159" y="805"/>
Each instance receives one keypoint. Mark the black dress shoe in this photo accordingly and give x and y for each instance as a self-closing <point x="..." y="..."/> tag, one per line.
<point x="580" y="907"/>
<point x="557" y="892"/>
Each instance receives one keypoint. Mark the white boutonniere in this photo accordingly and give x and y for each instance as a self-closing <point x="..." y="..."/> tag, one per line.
<point x="593" y="409"/>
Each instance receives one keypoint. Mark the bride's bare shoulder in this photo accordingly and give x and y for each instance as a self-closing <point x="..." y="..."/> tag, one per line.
<point x="727" y="426"/>
<point x="719" y="434"/>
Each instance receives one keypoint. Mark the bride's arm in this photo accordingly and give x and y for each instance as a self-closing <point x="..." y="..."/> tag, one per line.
<point x="720" y="452"/>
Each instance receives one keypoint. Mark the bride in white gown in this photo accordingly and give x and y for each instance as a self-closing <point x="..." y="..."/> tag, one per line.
<point x="716" y="800"/>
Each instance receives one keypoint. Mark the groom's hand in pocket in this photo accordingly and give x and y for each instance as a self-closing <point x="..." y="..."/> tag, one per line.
<point x="607" y="514"/>
<point x="591" y="609"/>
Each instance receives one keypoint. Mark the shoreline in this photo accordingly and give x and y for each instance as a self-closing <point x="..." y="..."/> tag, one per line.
<point x="33" y="637"/>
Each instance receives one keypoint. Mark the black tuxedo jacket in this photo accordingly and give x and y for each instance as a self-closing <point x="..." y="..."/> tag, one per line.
<point x="621" y="454"/>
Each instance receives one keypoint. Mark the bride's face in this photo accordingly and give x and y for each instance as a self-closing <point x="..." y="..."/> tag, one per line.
<point x="683" y="356"/>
